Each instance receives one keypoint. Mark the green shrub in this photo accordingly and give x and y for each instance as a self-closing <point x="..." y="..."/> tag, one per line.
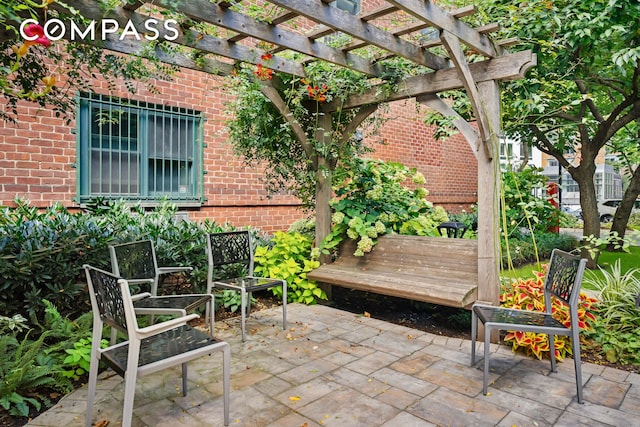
<point x="522" y="250"/>
<point x="374" y="198"/>
<point x="617" y="330"/>
<point x="41" y="257"/>
<point x="290" y="258"/>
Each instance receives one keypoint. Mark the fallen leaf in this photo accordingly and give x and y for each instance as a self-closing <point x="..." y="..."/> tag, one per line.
<point x="367" y="314"/>
<point x="102" y="423"/>
<point x="294" y="398"/>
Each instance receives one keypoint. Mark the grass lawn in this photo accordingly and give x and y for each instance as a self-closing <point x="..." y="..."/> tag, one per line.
<point x="606" y="260"/>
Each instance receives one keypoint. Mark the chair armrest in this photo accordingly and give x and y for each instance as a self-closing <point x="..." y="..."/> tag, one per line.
<point x="166" y="270"/>
<point x="139" y="281"/>
<point x="138" y="297"/>
<point x="164" y="326"/>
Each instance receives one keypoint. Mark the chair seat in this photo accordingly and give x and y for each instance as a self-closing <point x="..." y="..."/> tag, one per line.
<point x="248" y="283"/>
<point x="175" y="342"/>
<point x="186" y="302"/>
<point x="521" y="318"/>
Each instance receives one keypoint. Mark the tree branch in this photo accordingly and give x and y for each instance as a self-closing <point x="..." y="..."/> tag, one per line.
<point x="589" y="102"/>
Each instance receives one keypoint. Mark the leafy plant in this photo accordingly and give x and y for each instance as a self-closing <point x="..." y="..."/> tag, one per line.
<point x="616" y="330"/>
<point x="230" y="299"/>
<point x="373" y="198"/>
<point x="290" y="258"/>
<point x="78" y="361"/>
<point x="528" y="294"/>
<point x="25" y="369"/>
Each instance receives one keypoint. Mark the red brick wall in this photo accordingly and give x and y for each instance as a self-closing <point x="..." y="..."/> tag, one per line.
<point x="37" y="156"/>
<point x="449" y="166"/>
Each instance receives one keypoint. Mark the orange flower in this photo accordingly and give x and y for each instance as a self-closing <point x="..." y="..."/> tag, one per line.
<point x="49" y="81"/>
<point x="21" y="50"/>
<point x="263" y="73"/>
<point x="266" y="56"/>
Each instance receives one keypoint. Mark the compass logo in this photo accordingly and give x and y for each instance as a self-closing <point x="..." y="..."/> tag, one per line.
<point x="56" y="29"/>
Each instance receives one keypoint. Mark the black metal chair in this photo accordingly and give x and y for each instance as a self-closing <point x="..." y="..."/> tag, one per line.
<point x="146" y="350"/>
<point x="234" y="249"/>
<point x="563" y="280"/>
<point x="136" y="262"/>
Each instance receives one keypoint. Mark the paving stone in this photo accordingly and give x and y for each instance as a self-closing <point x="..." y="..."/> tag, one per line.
<point x="413" y="364"/>
<point x="294" y="420"/>
<point x="394" y="343"/>
<point x="522" y="408"/>
<point x="303" y="394"/>
<point x="405" y="419"/>
<point x="454" y="376"/>
<point x="362" y="383"/>
<point x="404" y="382"/>
<point x="372" y="362"/>
<point x="397" y="398"/>
<point x="347" y="407"/>
<point x="447" y="408"/>
<point x="601" y="414"/>
<point x="605" y="392"/>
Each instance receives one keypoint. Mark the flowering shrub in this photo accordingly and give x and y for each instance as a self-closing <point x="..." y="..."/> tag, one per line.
<point x="373" y="200"/>
<point x="528" y="294"/>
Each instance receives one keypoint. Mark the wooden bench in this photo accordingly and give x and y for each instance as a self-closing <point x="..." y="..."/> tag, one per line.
<point x="437" y="270"/>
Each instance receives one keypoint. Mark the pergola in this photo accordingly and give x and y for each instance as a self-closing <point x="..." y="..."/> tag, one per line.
<point x="246" y="37"/>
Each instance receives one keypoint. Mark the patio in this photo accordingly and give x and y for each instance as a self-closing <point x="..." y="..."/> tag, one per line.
<point x="335" y="368"/>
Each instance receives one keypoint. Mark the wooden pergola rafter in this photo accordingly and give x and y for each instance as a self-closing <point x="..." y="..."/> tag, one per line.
<point x="238" y="36"/>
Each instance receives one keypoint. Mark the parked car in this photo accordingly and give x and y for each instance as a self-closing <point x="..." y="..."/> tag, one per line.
<point x="607" y="208"/>
<point x="572" y="210"/>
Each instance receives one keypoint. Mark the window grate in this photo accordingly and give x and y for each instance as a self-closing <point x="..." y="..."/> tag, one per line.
<point x="138" y="151"/>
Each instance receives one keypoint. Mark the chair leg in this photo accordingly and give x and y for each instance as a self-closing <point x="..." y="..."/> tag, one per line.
<point x="93" y="375"/>
<point x="210" y="315"/>
<point x="226" y="380"/>
<point x="243" y="310"/>
<point x="575" y="343"/>
<point x="474" y="335"/>
<point x="184" y="380"/>
<point x="284" y="305"/>
<point x="485" y="375"/>
<point x="130" y="378"/>
<point x="552" y="352"/>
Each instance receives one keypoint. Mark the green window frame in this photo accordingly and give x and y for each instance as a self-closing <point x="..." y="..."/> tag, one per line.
<point x="138" y="151"/>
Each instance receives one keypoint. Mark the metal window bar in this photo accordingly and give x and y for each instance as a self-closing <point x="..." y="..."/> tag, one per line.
<point x="138" y="150"/>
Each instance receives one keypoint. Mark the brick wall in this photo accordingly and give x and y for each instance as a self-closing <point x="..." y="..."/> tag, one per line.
<point x="37" y="156"/>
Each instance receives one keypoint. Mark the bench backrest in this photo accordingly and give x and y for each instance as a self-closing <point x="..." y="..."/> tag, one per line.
<point x="415" y="255"/>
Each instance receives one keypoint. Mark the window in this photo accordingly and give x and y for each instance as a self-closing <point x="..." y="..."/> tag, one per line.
<point x="138" y="151"/>
<point x="351" y="6"/>
<point x="568" y="184"/>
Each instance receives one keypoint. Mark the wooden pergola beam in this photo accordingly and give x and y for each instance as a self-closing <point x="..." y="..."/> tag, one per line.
<point x="354" y="26"/>
<point x="190" y="38"/>
<point x="507" y="67"/>
<point x="205" y="11"/>
<point x="427" y="11"/>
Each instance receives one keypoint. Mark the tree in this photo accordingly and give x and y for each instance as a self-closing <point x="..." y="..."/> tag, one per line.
<point x="584" y="93"/>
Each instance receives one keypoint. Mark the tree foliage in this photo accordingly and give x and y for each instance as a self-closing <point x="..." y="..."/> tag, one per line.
<point x="584" y="93"/>
<point x="50" y="73"/>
